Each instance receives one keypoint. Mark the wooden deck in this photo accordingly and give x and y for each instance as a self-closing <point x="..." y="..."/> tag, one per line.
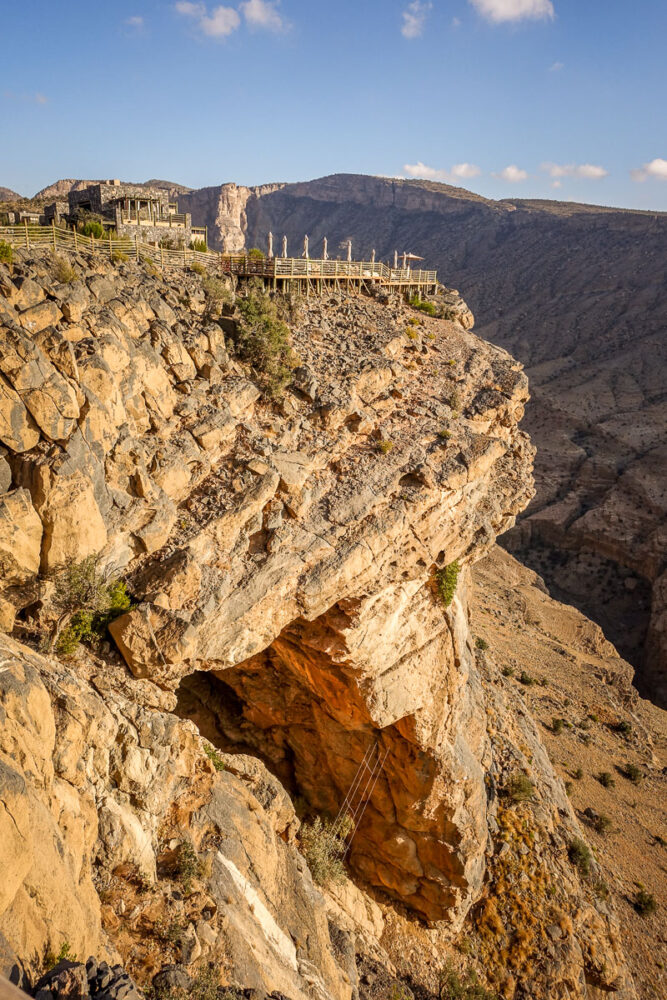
<point x="303" y="274"/>
<point x="282" y="270"/>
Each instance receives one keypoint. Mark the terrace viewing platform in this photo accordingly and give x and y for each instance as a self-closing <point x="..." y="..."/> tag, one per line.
<point x="281" y="271"/>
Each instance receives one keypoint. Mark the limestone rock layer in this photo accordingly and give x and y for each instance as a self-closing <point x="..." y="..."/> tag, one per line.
<point x="283" y="559"/>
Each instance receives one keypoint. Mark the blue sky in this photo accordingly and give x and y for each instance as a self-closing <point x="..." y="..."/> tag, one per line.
<point x="511" y="98"/>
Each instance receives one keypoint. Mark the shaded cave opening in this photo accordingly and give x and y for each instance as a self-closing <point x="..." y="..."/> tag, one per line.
<point x="300" y="708"/>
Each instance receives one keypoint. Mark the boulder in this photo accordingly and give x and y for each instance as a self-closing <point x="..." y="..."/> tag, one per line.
<point x="20" y="538"/>
<point x="25" y="293"/>
<point x="154" y="642"/>
<point x="17" y="427"/>
<point x="50" y="398"/>
<point x="39" y="317"/>
<point x="73" y="525"/>
<point x="75" y="303"/>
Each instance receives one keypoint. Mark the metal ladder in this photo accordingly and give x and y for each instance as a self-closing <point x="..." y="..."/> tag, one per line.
<point x="356" y="800"/>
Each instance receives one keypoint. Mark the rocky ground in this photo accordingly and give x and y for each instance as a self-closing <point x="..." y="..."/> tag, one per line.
<point x="579" y="678"/>
<point x="299" y="572"/>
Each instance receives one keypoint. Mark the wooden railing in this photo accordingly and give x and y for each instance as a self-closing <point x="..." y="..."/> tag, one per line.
<point x="110" y="246"/>
<point x="278" y="268"/>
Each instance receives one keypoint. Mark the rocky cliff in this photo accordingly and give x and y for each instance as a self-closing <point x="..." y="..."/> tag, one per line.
<point x="576" y="293"/>
<point x="299" y="572"/>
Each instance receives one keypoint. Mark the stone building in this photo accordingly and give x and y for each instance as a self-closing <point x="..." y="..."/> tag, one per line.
<point x="134" y="211"/>
<point x="56" y="212"/>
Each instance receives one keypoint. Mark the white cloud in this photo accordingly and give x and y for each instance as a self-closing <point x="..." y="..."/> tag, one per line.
<point x="134" y="22"/>
<point x="556" y="67"/>
<point x="557" y="184"/>
<point x="465" y="170"/>
<point x="190" y="9"/>
<point x="460" y="171"/>
<point x="514" y="10"/>
<point x="221" y="21"/>
<point x="414" y="18"/>
<point x="655" y="170"/>
<point x="456" y="22"/>
<point x="512" y="174"/>
<point x="263" y="14"/>
<point x="588" y="171"/>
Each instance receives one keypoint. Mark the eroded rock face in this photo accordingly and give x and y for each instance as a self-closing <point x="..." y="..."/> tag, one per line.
<point x="283" y="560"/>
<point x="96" y="792"/>
<point x="387" y="677"/>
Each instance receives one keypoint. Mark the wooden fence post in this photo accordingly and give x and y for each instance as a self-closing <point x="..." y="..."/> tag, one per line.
<point x="53" y="232"/>
<point x="136" y="246"/>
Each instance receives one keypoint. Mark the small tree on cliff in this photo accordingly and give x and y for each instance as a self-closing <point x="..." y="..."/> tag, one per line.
<point x="84" y="602"/>
<point x="264" y="341"/>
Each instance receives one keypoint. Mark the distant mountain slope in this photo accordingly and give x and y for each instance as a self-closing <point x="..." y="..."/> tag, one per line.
<point x="6" y="194"/>
<point x="579" y="294"/>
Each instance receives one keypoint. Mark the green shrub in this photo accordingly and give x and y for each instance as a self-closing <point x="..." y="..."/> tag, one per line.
<point x="411" y="333"/>
<point x="199" y="246"/>
<point x="557" y="726"/>
<point x="481" y="643"/>
<point x="426" y="307"/>
<point x="215" y="758"/>
<point x="578" y="774"/>
<point x="601" y="889"/>
<point x="85" y="604"/>
<point x="580" y="855"/>
<point x="444" y="433"/>
<point x="526" y="679"/>
<point x="507" y="671"/>
<point x="446" y="580"/>
<point x="606" y="780"/>
<point x="454" y="987"/>
<point x="633" y="773"/>
<point x="187" y="866"/>
<point x="455" y="400"/>
<point x="601" y="823"/>
<point x="197" y="268"/>
<point x="644" y="903"/>
<point x="6" y="253"/>
<point x="385" y="446"/>
<point x="623" y="727"/>
<point x="323" y="846"/>
<point x="63" y="271"/>
<point x="65" y="952"/>
<point x="264" y="342"/>
<point x="254" y="253"/>
<point x="118" y="257"/>
<point x="519" y="788"/>
<point x="216" y="295"/>
<point x="93" y="228"/>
